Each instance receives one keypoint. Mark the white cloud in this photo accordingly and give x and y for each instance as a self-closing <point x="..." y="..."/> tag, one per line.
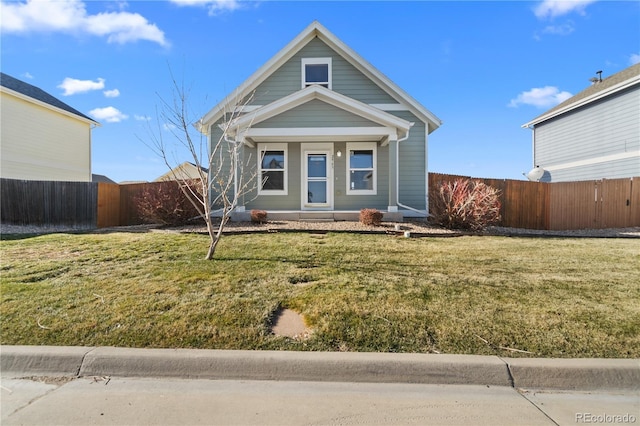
<point x="27" y="75"/>
<point x="108" y="114"/>
<point x="112" y="93"/>
<point x="564" y="29"/>
<point x="72" y="86"/>
<point x="141" y="117"/>
<point x="559" y="30"/>
<point x="634" y="58"/>
<point x="542" y="97"/>
<point x="70" y="16"/>
<point x="553" y="8"/>
<point x="214" y="6"/>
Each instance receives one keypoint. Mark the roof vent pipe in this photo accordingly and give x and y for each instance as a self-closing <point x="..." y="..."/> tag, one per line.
<point x="599" y="76"/>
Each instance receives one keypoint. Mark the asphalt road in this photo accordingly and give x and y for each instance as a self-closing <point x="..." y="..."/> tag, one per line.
<point x="171" y="401"/>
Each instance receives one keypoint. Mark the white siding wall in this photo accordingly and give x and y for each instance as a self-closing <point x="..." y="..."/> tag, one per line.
<point x="588" y="143"/>
<point x="40" y="144"/>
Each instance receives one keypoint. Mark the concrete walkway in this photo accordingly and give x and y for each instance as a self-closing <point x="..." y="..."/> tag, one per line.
<point x="83" y="385"/>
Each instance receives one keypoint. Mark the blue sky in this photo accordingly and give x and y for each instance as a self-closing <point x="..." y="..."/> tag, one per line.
<point x="484" y="68"/>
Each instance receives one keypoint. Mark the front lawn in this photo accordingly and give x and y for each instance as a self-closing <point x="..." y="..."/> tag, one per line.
<point x="550" y="297"/>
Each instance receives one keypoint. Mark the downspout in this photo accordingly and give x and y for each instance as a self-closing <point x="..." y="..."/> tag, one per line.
<point x="398" y="174"/>
<point x="533" y="144"/>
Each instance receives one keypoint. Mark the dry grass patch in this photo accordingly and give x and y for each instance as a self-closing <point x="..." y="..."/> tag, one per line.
<point x="475" y="295"/>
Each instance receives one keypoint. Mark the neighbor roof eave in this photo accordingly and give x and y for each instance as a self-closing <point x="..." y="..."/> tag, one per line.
<point x="49" y="106"/>
<point x="579" y="102"/>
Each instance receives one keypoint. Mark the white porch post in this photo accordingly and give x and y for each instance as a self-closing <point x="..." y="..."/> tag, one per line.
<point x="393" y="167"/>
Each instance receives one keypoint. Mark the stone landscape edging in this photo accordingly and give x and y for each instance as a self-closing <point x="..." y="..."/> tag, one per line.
<point x="523" y="373"/>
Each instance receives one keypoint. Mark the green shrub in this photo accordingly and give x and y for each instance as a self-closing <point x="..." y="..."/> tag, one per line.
<point x="464" y="204"/>
<point x="370" y="217"/>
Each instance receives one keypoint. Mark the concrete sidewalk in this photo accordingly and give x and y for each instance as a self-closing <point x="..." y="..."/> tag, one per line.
<point x="521" y="373"/>
<point x="167" y="401"/>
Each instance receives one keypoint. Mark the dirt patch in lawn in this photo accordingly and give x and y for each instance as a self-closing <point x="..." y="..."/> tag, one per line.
<point x="291" y="324"/>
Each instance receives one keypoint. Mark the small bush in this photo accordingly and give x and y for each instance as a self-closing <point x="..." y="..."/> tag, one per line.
<point x="370" y="217"/>
<point x="258" y="216"/>
<point x="464" y="204"/>
<point x="165" y="203"/>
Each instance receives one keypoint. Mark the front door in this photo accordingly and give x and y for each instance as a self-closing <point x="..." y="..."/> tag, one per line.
<point x="317" y="188"/>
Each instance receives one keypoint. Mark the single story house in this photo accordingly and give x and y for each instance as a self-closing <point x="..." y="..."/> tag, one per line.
<point x="328" y="133"/>
<point x="42" y="138"/>
<point x="592" y="135"/>
<point x="184" y="171"/>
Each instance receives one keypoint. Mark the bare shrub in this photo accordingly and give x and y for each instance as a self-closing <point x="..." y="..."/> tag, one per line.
<point x="167" y="203"/>
<point x="370" y="217"/>
<point x="464" y="204"/>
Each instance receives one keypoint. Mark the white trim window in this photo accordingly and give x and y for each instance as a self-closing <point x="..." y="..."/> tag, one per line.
<point x="272" y="169"/>
<point x="361" y="168"/>
<point x="316" y="71"/>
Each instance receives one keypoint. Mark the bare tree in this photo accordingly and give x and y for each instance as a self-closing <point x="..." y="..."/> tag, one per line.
<point x="228" y="178"/>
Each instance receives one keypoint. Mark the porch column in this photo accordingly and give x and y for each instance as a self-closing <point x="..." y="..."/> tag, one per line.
<point x="393" y="173"/>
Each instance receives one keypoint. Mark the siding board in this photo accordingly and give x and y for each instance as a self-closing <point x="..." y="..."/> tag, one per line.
<point x="58" y="148"/>
<point x="605" y="127"/>
<point x="316" y="113"/>
<point x="346" y="79"/>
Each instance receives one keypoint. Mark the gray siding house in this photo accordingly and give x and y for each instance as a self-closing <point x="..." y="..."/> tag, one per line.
<point x="328" y="134"/>
<point x="592" y="135"/>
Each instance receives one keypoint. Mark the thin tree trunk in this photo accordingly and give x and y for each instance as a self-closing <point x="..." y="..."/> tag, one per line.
<point x="214" y="236"/>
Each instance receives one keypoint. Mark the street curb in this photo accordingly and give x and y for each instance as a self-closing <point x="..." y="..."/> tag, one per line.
<point x="526" y="373"/>
<point x="43" y="360"/>
<point x="575" y="374"/>
<point x="297" y="366"/>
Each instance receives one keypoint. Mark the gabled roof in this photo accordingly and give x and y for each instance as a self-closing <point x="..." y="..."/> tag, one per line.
<point x="11" y="84"/>
<point x="317" y="92"/>
<point x="315" y="29"/>
<point x="100" y="179"/>
<point x="598" y="90"/>
<point x="186" y="170"/>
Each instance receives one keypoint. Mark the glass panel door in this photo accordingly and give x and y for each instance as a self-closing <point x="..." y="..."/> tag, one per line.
<point x="317" y="179"/>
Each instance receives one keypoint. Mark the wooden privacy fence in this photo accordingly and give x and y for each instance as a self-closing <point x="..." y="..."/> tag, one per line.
<point x="607" y="203"/>
<point x="596" y="204"/>
<point x="27" y="202"/>
<point x="117" y="203"/>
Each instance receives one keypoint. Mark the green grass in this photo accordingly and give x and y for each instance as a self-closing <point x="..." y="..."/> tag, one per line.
<point x="550" y="297"/>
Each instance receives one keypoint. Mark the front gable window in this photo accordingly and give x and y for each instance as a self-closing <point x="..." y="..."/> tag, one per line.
<point x="272" y="166"/>
<point x="361" y="168"/>
<point x="316" y="71"/>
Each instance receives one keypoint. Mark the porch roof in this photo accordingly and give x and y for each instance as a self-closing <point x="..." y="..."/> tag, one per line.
<point x="389" y="126"/>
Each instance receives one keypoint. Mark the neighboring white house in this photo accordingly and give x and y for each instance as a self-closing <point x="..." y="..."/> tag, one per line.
<point x="41" y="137"/>
<point x="328" y="134"/>
<point x="592" y="135"/>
